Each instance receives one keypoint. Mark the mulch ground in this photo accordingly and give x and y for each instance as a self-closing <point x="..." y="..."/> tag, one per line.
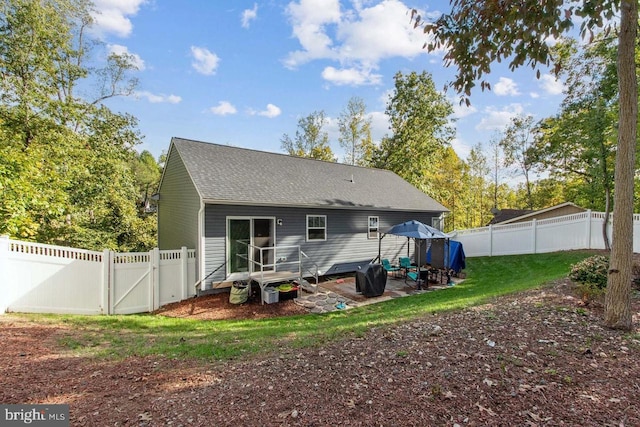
<point x="540" y="358"/>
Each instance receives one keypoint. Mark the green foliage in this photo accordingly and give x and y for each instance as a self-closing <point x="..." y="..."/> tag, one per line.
<point x="67" y="163"/>
<point x="591" y="271"/>
<point x="475" y="34"/>
<point x="355" y="132"/>
<point x="578" y="145"/>
<point x="419" y="119"/>
<point x="311" y="140"/>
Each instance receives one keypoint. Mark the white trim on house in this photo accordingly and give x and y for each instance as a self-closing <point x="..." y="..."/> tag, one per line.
<point x="325" y="228"/>
<point x="232" y="276"/>
<point x="376" y="228"/>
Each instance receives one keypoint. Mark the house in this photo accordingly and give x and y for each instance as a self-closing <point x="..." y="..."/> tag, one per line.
<point x="510" y="216"/>
<point x="242" y="209"/>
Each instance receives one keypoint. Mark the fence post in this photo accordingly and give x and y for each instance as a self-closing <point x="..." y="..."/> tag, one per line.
<point x="184" y="263"/>
<point x="534" y="231"/>
<point x="7" y="282"/>
<point x="490" y="239"/>
<point x="588" y="230"/>
<point x="106" y="282"/>
<point x="154" y="260"/>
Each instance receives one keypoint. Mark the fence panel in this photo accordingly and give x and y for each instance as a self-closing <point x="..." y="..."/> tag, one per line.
<point x="512" y="239"/>
<point x="190" y="290"/>
<point x="562" y="233"/>
<point x="41" y="278"/>
<point x="131" y="287"/>
<point x="576" y="231"/>
<point x="171" y="276"/>
<point x="476" y="241"/>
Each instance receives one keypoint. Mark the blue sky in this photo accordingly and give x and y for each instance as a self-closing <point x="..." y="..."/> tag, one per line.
<point x="243" y="72"/>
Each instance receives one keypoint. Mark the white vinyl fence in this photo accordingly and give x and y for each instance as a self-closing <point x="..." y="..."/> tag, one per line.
<point x="569" y="232"/>
<point x="38" y="278"/>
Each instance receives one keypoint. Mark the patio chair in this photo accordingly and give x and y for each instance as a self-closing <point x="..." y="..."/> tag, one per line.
<point x="393" y="269"/>
<point x="406" y="266"/>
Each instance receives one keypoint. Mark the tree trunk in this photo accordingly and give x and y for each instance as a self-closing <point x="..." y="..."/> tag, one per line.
<point x="618" y="298"/>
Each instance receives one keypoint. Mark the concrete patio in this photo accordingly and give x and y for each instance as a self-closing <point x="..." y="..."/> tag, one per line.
<point x="340" y="294"/>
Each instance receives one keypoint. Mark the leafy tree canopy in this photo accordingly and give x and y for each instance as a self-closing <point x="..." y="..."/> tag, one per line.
<point x="66" y="173"/>
<point x="310" y="140"/>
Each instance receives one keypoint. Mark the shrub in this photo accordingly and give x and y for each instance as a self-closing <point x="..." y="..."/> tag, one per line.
<point x="591" y="271"/>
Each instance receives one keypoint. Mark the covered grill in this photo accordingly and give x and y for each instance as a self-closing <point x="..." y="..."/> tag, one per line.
<point x="371" y="280"/>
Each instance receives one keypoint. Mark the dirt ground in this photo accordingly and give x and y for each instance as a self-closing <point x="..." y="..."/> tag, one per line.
<point x="540" y="358"/>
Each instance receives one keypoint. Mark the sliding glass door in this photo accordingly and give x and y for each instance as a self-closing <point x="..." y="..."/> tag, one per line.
<point x="245" y="237"/>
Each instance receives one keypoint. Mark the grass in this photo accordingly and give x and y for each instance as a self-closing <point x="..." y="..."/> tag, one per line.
<point x="121" y="336"/>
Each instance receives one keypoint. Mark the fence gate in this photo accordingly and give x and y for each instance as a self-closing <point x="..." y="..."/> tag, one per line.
<point x="132" y="283"/>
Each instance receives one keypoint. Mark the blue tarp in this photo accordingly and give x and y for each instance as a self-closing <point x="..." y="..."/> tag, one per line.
<point x="456" y="258"/>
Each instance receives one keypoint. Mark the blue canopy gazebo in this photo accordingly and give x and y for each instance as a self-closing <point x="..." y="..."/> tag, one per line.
<point x="413" y="230"/>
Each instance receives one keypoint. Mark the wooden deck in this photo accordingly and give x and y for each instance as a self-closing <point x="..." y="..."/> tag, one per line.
<point x="268" y="277"/>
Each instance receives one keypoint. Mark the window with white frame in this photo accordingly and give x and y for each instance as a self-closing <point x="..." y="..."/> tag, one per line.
<point x="316" y="227"/>
<point x="373" y="228"/>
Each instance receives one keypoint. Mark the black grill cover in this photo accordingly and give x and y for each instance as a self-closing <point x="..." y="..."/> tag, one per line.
<point x="371" y="280"/>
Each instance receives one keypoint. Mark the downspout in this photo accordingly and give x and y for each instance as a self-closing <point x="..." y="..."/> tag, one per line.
<point x="200" y="246"/>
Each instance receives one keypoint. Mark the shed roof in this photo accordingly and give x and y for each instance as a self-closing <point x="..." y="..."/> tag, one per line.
<point x="231" y="175"/>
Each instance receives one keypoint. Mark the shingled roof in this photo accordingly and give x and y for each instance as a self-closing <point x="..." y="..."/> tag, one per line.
<point x="230" y="175"/>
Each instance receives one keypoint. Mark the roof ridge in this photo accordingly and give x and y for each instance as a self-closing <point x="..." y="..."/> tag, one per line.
<point x="255" y="150"/>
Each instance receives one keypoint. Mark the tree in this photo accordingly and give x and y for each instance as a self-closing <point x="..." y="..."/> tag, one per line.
<point x="446" y="178"/>
<point x="420" y="126"/>
<point x="517" y="144"/>
<point x="477" y="33"/>
<point x="65" y="160"/>
<point x="355" y="132"/>
<point x="496" y="161"/>
<point x="310" y="140"/>
<point x="147" y="173"/>
<point x="478" y="170"/>
<point x="578" y="144"/>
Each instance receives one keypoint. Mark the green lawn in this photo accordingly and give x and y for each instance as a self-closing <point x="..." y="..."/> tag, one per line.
<point x="120" y="336"/>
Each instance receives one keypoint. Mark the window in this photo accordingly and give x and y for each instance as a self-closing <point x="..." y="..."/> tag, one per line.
<point x="437" y="223"/>
<point x="373" y="227"/>
<point x="316" y="227"/>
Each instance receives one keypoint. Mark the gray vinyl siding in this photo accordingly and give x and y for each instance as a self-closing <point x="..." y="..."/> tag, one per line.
<point x="178" y="206"/>
<point x="346" y="242"/>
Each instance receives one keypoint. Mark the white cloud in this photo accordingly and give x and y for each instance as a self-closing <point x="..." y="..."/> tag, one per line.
<point x="350" y="76"/>
<point x="308" y="19"/>
<point x="271" y="111"/>
<point x="506" y="87"/>
<point x="358" y="38"/>
<point x="224" y="108"/>
<point x="378" y="32"/>
<point x="498" y="119"/>
<point x="379" y="125"/>
<point x="460" y="147"/>
<point x="158" y="98"/>
<point x="534" y="95"/>
<point x="249" y="15"/>
<point x="112" y="16"/>
<point x="120" y="50"/>
<point x="204" y="61"/>
<point x="551" y="85"/>
<point x="462" y="110"/>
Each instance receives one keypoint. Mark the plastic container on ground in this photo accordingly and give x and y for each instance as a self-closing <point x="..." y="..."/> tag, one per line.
<point x="270" y="295"/>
